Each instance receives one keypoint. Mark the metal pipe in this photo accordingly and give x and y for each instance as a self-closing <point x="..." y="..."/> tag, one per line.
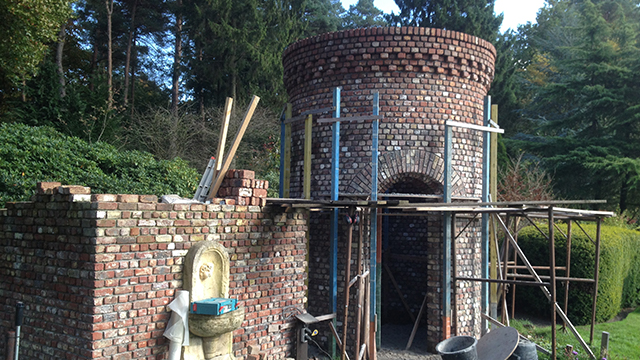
<point x="454" y="286"/>
<point x="558" y="278"/>
<point x="498" y="281"/>
<point x="567" y="272"/>
<point x="596" y="277"/>
<point x="552" y="270"/>
<point x="19" y="318"/>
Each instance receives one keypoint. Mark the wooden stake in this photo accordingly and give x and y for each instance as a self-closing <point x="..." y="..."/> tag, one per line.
<point x="287" y="156"/>
<point x="347" y="280"/>
<point x="234" y="146"/>
<point x="307" y="157"/>
<point x="228" y="105"/>
<point x="417" y="323"/>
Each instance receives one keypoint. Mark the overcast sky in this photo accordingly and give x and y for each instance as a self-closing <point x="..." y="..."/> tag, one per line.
<point x="515" y="11"/>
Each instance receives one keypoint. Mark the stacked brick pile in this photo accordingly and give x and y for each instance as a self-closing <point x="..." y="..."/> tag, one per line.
<point x="96" y="271"/>
<point x="240" y="187"/>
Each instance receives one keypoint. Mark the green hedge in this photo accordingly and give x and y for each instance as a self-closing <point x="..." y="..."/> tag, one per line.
<point x="32" y="154"/>
<point x="619" y="280"/>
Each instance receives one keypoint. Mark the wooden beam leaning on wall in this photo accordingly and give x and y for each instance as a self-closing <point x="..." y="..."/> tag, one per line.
<point x="234" y="147"/>
<point x="222" y="139"/>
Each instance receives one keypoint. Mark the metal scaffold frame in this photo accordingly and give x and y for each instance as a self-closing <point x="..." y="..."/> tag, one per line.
<point x="452" y="209"/>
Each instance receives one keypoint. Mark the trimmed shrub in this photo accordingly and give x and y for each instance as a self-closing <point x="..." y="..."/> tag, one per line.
<point x="619" y="276"/>
<point x="32" y="154"/>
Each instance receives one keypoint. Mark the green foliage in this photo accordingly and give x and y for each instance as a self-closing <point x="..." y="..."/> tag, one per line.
<point x="583" y="62"/>
<point x="474" y="17"/>
<point x="322" y="16"/>
<point x="363" y="14"/>
<point x="237" y="48"/>
<point x="619" y="278"/>
<point x="80" y="113"/>
<point x="26" y="28"/>
<point x="32" y="154"/>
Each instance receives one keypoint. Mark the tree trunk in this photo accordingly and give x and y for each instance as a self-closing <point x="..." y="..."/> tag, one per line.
<point x="59" y="50"/>
<point x="94" y="65"/>
<point x="200" y="57"/>
<point x="175" y="86"/>
<point x="128" y="59"/>
<point x="133" y="75"/>
<point x="109" y="5"/>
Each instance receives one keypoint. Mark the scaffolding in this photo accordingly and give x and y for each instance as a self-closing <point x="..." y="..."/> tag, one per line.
<point x="492" y="214"/>
<point x="546" y="211"/>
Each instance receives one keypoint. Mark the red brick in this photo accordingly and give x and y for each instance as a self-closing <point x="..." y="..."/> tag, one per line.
<point x="128" y="198"/>
<point x="73" y="190"/>
<point x="47" y="187"/>
<point x="148" y="199"/>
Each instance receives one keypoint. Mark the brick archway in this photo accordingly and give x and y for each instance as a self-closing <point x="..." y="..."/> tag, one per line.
<point x="423" y="165"/>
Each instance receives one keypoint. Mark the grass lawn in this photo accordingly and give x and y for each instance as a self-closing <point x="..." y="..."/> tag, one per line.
<point x="624" y="339"/>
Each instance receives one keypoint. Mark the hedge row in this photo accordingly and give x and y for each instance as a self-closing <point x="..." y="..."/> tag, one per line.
<point x="619" y="276"/>
<point x="32" y="154"/>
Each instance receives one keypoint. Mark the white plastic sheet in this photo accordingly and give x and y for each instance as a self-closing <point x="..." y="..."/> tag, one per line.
<point x="177" y="330"/>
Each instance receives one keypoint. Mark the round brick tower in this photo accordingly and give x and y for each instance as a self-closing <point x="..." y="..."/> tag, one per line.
<point x="424" y="77"/>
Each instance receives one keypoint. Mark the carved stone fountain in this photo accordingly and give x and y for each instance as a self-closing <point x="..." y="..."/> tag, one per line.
<point x="206" y="276"/>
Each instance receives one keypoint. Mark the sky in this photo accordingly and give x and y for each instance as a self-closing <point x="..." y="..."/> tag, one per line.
<point x="515" y="11"/>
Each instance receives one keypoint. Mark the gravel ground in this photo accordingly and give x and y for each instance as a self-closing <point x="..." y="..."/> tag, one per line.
<point x="394" y="342"/>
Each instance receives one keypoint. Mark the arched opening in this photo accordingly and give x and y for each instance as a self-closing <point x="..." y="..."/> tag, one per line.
<point x="411" y="250"/>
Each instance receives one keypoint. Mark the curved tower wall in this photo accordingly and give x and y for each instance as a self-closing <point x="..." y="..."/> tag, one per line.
<point x="424" y="77"/>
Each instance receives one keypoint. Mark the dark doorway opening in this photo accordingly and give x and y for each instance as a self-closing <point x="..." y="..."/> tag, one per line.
<point x="410" y="267"/>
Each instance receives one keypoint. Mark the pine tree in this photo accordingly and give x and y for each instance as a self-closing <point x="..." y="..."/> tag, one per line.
<point x="474" y="17"/>
<point x="322" y="16"/>
<point x="363" y="14"/>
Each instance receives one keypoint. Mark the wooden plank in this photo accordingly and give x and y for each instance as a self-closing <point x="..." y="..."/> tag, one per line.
<point x="222" y="139"/>
<point x="304" y="114"/>
<point x="234" y="146"/>
<point x="417" y="322"/>
<point x="350" y="118"/>
<point x="474" y="127"/>
<point x="287" y="160"/>
<point x="307" y="157"/>
<point x="286" y="114"/>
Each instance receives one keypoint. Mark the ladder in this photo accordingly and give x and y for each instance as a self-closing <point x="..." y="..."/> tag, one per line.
<point x="205" y="183"/>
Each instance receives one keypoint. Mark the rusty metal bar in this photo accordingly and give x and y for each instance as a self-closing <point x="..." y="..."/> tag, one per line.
<point x="567" y="272"/>
<point x="596" y="277"/>
<point x="454" y="285"/>
<point x="498" y="281"/>
<point x="552" y="271"/>
<point x="544" y="277"/>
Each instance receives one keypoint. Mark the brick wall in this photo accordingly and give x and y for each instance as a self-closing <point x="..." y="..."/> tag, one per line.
<point x="96" y="271"/>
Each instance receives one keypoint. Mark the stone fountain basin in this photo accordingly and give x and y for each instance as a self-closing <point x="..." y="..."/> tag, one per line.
<point x="215" y="325"/>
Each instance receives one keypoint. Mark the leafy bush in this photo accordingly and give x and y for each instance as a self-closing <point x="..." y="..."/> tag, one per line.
<point x="619" y="276"/>
<point x="32" y="154"/>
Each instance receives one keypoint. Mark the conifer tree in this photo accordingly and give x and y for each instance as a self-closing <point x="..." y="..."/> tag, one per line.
<point x="474" y="17"/>
<point x="588" y="105"/>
